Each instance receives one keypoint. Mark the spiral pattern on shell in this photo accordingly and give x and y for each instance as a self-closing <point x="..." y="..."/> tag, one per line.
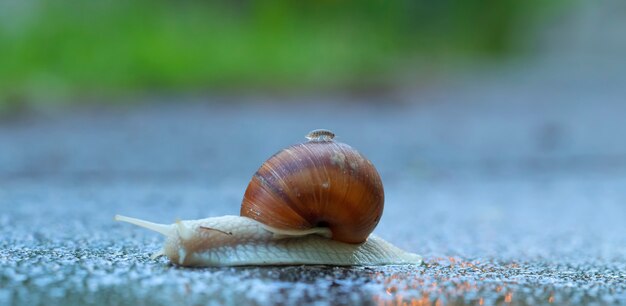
<point x="319" y="183"/>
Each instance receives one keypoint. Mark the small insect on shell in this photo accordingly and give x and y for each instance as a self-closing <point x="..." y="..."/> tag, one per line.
<point x="319" y="183"/>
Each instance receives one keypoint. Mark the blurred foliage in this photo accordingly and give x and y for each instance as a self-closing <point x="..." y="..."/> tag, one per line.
<point x="74" y="47"/>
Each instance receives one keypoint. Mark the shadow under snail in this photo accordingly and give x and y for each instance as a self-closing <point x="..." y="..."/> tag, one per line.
<point x="311" y="203"/>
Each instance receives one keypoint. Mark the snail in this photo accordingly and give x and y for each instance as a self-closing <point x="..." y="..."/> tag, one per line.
<point x="311" y="203"/>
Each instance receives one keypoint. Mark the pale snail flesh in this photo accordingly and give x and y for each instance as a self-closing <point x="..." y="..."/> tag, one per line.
<point x="256" y="239"/>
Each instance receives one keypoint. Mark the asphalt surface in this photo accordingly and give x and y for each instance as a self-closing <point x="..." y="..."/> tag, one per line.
<point x="513" y="193"/>
<point x="510" y="183"/>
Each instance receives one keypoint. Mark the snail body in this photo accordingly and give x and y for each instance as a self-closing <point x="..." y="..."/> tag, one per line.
<point x="311" y="203"/>
<point x="241" y="241"/>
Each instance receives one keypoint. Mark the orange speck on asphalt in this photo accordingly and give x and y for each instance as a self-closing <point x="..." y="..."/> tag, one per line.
<point x="508" y="297"/>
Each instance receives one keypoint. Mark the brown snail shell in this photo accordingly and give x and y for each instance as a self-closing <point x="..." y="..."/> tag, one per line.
<point x="319" y="183"/>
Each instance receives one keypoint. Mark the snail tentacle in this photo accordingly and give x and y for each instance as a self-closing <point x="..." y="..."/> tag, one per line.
<point x="164" y="229"/>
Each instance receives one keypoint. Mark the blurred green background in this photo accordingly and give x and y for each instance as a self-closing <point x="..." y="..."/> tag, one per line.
<point x="62" y="51"/>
